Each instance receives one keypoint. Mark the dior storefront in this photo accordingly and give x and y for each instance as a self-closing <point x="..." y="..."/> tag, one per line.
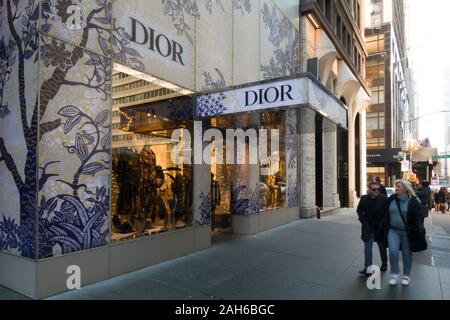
<point x="111" y="118"/>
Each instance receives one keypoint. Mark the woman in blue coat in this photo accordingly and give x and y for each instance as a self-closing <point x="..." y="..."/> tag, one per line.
<point x="404" y="211"/>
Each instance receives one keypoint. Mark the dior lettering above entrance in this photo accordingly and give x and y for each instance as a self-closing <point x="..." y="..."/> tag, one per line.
<point x="269" y="95"/>
<point x="301" y="91"/>
<point x="157" y="42"/>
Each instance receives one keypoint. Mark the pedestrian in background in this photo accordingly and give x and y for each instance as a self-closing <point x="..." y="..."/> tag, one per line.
<point x="442" y="199"/>
<point x="383" y="188"/>
<point x="424" y="195"/>
<point x="371" y="213"/>
<point x="448" y="197"/>
<point x="404" y="211"/>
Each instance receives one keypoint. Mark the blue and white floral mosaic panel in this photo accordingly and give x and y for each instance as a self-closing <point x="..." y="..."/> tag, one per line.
<point x="291" y="157"/>
<point x="23" y="15"/>
<point x="279" y="43"/>
<point x="18" y="144"/>
<point x="74" y="150"/>
<point x="72" y="20"/>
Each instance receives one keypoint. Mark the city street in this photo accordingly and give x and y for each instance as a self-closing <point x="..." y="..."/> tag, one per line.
<point x="307" y="259"/>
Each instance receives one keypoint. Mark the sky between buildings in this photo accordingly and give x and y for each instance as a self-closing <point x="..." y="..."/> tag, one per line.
<point x="429" y="52"/>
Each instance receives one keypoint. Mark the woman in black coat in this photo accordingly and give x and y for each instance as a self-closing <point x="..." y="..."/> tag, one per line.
<point x="404" y="212"/>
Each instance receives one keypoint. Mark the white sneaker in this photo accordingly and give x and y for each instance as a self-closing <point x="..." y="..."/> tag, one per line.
<point x="393" y="280"/>
<point x="406" y="280"/>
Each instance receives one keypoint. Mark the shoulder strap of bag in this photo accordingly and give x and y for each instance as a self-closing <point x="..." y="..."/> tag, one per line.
<point x="400" y="211"/>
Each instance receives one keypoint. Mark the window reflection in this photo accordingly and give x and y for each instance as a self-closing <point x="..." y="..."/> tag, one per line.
<point x="150" y="193"/>
<point x="273" y="174"/>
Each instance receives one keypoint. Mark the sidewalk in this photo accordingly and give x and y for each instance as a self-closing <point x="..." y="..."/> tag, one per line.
<point x="307" y="259"/>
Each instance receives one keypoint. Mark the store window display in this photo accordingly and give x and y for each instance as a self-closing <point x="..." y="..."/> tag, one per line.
<point x="221" y="182"/>
<point x="150" y="193"/>
<point x="273" y="174"/>
<point x="268" y="178"/>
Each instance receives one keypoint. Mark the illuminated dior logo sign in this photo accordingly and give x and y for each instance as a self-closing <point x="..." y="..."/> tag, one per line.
<point x="70" y="14"/>
<point x="156" y="41"/>
<point x="269" y="95"/>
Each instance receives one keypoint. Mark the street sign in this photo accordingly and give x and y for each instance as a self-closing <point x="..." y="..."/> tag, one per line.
<point x="405" y="166"/>
<point x="445" y="156"/>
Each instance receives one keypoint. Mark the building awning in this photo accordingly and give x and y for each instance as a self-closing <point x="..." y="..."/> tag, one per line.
<point x="383" y="155"/>
<point x="424" y="154"/>
<point x="301" y="91"/>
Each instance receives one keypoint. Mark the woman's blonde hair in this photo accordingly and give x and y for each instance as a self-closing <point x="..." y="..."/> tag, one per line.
<point x="408" y="187"/>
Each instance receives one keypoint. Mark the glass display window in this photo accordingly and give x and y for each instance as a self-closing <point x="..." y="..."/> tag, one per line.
<point x="263" y="182"/>
<point x="222" y="177"/>
<point x="150" y="193"/>
<point x="273" y="173"/>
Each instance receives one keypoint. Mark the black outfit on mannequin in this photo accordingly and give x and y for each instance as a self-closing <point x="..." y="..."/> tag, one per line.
<point x="128" y="172"/>
<point x="152" y="179"/>
<point x="215" y="200"/>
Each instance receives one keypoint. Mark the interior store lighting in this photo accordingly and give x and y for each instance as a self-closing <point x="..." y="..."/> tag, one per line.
<point x="151" y="79"/>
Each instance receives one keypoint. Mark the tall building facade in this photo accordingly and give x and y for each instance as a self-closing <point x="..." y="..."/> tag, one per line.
<point x="445" y="164"/>
<point x="332" y="46"/>
<point x="389" y="116"/>
<point x="115" y="122"/>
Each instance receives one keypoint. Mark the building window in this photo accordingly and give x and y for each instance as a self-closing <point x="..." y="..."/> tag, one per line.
<point x="375" y="121"/>
<point x="150" y="193"/>
<point x="339" y="28"/>
<point x="377" y="94"/>
<point x="358" y="15"/>
<point x="375" y="72"/>
<point x="375" y="143"/>
<point x="349" y="44"/>
<point x="328" y="11"/>
<point x="375" y="8"/>
<point x="375" y="44"/>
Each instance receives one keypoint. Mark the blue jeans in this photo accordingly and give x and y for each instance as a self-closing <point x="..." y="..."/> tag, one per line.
<point x="368" y="252"/>
<point x="395" y="239"/>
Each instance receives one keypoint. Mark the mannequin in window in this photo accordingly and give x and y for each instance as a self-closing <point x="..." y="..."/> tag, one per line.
<point x="128" y="179"/>
<point x="178" y="201"/>
<point x="215" y="199"/>
<point x="279" y="181"/>
<point x="152" y="180"/>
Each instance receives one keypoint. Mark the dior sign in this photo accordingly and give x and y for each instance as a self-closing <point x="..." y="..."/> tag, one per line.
<point x="268" y="95"/>
<point x="156" y="41"/>
<point x="302" y="91"/>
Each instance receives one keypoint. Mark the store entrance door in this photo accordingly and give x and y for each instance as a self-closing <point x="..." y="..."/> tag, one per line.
<point x="222" y="177"/>
<point x="342" y="165"/>
<point x="319" y="161"/>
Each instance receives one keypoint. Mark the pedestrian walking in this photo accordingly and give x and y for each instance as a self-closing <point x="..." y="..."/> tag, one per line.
<point x="383" y="188"/>
<point x="442" y="199"/>
<point x="404" y="215"/>
<point x="448" y="197"/>
<point x="424" y="195"/>
<point x="371" y="211"/>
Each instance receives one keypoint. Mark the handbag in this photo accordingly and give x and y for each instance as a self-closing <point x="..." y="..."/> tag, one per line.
<point x="416" y="238"/>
